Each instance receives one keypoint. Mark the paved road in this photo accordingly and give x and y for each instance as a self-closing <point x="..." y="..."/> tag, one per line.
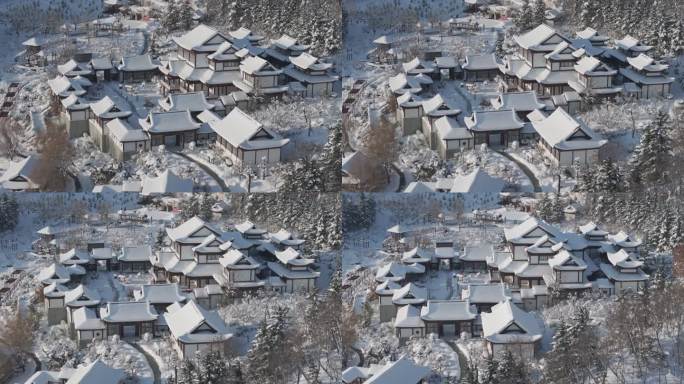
<point x="151" y="361"/>
<point x="530" y="175"/>
<point x="206" y="169"/>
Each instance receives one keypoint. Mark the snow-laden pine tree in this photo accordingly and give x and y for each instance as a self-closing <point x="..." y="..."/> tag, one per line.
<point x="185" y="15"/>
<point x="171" y="18"/>
<point x="653" y="154"/>
<point x="213" y="368"/>
<point x="539" y="12"/>
<point x="9" y="212"/>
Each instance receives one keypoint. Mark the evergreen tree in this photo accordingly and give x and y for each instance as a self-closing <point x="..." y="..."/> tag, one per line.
<point x="653" y="155"/>
<point x="523" y="18"/>
<point x="539" y="12"/>
<point x="205" y="206"/>
<point x="171" y="17"/>
<point x="9" y="212"/>
<point x="185" y="14"/>
<point x="213" y="369"/>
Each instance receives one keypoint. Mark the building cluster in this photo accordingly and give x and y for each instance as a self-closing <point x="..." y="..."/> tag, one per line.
<point x="206" y="85"/>
<point x="537" y="263"/>
<point x="544" y="84"/>
<point x="96" y="372"/>
<point x="200" y="268"/>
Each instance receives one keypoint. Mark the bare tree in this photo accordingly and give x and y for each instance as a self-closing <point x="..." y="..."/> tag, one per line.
<point x="56" y="157"/>
<point x="11" y="133"/>
<point x="380" y="144"/>
<point x="16" y="332"/>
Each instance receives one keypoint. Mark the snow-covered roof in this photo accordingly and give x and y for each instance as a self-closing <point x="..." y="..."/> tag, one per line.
<point x="477" y="181"/>
<point x="536" y="38"/>
<point x="402" y="84"/>
<point x="437" y="106"/>
<point x="417" y="255"/>
<point x="243" y="33"/>
<point x="478" y="252"/>
<point x="63" y="86"/>
<point x="85" y="318"/>
<point x="33" y="42"/>
<point x="630" y="43"/>
<point x="103" y="253"/>
<point x="591" y="229"/>
<point x="166" y="122"/>
<point x="74" y="103"/>
<point x="198" y="37"/>
<point x="447" y="310"/>
<point x="235" y="259"/>
<point x="137" y="63"/>
<point x="74" y="256"/>
<point x="589" y="65"/>
<point x="128" y="311"/>
<point x="309" y="62"/>
<point x="409" y="294"/>
<point x="391" y="272"/>
<point x="646" y="63"/>
<point x="106" y="108"/>
<point x="74" y="68"/>
<point x="101" y="63"/>
<point x="566" y="261"/>
<point x="97" y="372"/>
<point x="191" y="101"/>
<point x="446" y="62"/>
<point x="563" y="132"/>
<point x="529" y="231"/>
<point x="402" y="371"/>
<point x="243" y="131"/>
<point x="123" y="132"/>
<point x="289" y="43"/>
<point x="194" y="324"/>
<point x="159" y="293"/>
<point x="507" y="323"/>
<point x="486" y="293"/>
<point x="290" y="256"/>
<point x="285" y="237"/>
<point x="518" y="101"/>
<point x="624" y="240"/>
<point x="189" y="228"/>
<point x="55" y="290"/>
<point x="613" y="274"/>
<point x="82" y="296"/>
<point x="248" y="227"/>
<point x="449" y="129"/>
<point x="23" y="168"/>
<point x="501" y="120"/>
<point x="416" y="66"/>
<point x="623" y="259"/>
<point x="480" y="62"/>
<point x="136" y="253"/>
<point x="589" y="33"/>
<point x="54" y="273"/>
<point x="383" y="40"/>
<point x="167" y="182"/>
<point x="408" y="316"/>
<point x="255" y="65"/>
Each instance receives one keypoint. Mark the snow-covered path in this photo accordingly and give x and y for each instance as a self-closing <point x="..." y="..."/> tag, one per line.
<point x="151" y="361"/>
<point x="206" y="169"/>
<point x="527" y="171"/>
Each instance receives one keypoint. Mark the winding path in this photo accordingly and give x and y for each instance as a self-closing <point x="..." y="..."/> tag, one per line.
<point x="530" y="175"/>
<point x="151" y="361"/>
<point x="209" y="171"/>
<point x="462" y="359"/>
